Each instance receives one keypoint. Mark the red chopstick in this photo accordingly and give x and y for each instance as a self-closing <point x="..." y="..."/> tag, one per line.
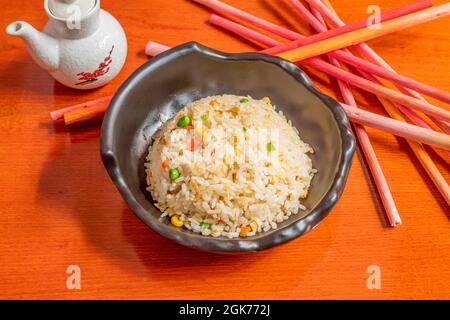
<point x="59" y="114"/>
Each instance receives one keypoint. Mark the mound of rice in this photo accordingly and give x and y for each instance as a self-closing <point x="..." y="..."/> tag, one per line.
<point x="228" y="166"/>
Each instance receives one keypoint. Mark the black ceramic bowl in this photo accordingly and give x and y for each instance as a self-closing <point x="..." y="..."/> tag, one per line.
<point x="191" y="71"/>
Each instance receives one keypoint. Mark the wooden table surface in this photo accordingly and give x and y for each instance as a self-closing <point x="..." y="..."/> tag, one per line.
<point x="58" y="206"/>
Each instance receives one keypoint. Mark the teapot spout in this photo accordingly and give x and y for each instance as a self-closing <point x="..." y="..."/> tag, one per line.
<point x="43" y="48"/>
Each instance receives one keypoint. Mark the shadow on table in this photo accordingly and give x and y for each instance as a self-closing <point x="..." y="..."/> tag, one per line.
<point x="162" y="257"/>
<point x="439" y="158"/>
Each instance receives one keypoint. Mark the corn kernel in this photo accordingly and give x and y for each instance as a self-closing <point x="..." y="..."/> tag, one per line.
<point x="267" y="101"/>
<point x="254" y="226"/>
<point x="200" y="131"/>
<point x="175" y="220"/>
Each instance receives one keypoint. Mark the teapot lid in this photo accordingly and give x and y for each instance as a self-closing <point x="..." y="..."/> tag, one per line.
<point x="66" y="8"/>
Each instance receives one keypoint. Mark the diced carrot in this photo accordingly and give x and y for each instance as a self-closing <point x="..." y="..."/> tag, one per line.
<point x="189" y="127"/>
<point x="234" y="110"/>
<point x="244" y="231"/>
<point x="195" y="144"/>
<point x="165" y="164"/>
<point x="212" y="102"/>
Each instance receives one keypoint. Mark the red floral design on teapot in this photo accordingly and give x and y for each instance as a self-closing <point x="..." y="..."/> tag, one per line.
<point x="103" y="68"/>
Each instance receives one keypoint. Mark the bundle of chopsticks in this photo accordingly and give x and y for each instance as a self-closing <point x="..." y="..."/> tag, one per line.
<point x="334" y="46"/>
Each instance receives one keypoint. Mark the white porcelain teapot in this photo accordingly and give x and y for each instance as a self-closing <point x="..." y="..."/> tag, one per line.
<point x="82" y="46"/>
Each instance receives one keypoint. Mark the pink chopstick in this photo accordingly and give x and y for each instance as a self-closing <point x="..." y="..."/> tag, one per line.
<point x="372" y="56"/>
<point x="288" y="34"/>
<point x="392" y="76"/>
<point x="247" y="33"/>
<point x="345" y="75"/>
<point x="320" y="27"/>
<point x="227" y="9"/>
<point x="370" y="119"/>
<point x="378" y="176"/>
<point x="421" y="154"/>
<point x="59" y="114"/>
<point x="378" y="89"/>
<point x="385" y="16"/>
<point x="372" y="68"/>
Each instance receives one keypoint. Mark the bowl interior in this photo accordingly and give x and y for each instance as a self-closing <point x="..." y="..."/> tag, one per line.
<point x="165" y="88"/>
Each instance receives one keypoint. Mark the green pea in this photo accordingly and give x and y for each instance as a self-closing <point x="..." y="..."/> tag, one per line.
<point x="205" y="225"/>
<point x="243" y="100"/>
<point x="184" y="121"/>
<point x="174" y="174"/>
<point x="270" y="147"/>
<point x="204" y="117"/>
<point x="244" y="129"/>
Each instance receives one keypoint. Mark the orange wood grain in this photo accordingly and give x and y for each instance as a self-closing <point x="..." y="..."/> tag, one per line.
<point x="58" y="206"/>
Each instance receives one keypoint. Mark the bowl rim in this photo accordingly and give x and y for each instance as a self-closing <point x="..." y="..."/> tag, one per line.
<point x="277" y="236"/>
